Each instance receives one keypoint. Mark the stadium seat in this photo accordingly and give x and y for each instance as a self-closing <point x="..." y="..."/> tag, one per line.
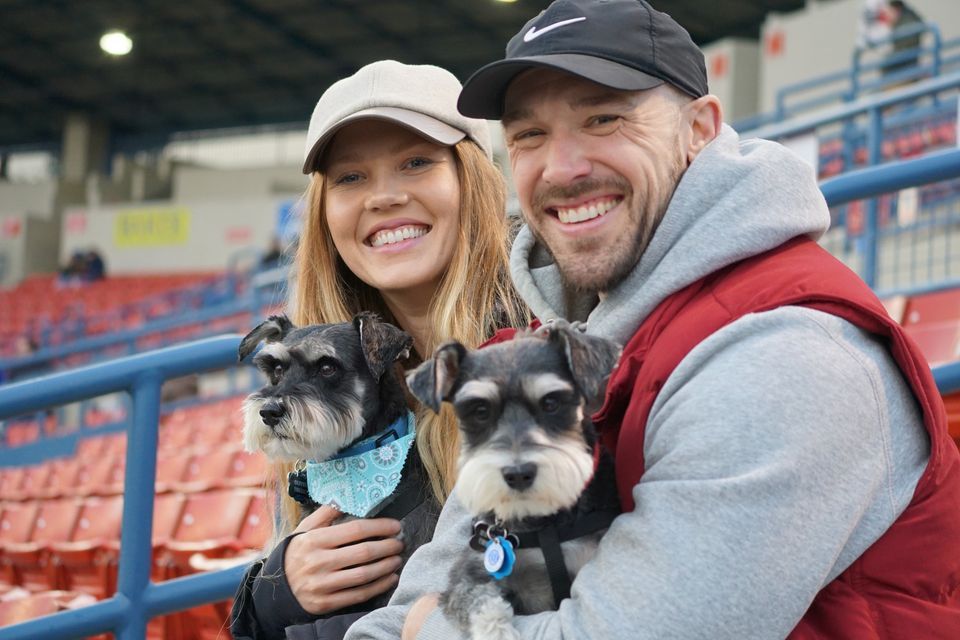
<point x="28" y="607"/>
<point x="10" y="483"/>
<point x="248" y="469"/>
<point x="88" y="562"/>
<point x="30" y="560"/>
<point x="207" y="470"/>
<point x="17" y="521"/>
<point x="933" y="321"/>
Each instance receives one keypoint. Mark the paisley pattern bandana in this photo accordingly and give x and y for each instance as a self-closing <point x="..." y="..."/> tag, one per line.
<point x="358" y="479"/>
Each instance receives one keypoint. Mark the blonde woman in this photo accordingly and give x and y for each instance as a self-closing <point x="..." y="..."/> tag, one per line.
<point x="405" y="217"/>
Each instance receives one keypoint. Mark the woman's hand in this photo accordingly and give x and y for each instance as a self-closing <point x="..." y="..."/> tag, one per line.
<point x="332" y="566"/>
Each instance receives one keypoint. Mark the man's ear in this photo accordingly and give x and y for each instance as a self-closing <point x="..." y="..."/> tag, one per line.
<point x="382" y="343"/>
<point x="703" y="118"/>
<point x="433" y="381"/>
<point x="274" y="329"/>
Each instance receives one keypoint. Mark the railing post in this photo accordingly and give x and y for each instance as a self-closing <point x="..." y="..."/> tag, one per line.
<point x="139" y="479"/>
<point x="871" y="232"/>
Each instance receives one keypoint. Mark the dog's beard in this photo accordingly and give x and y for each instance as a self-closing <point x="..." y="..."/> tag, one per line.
<point x="310" y="430"/>
<point x="564" y="467"/>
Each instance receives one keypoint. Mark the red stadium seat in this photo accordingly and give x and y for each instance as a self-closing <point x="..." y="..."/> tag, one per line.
<point x="88" y="562"/>
<point x="31" y="560"/>
<point x="933" y="321"/>
<point x="17" y="521"/>
<point x="248" y="469"/>
<point x="207" y="470"/>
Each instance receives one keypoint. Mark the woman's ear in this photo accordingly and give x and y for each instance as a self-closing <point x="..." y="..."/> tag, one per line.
<point x="704" y="117"/>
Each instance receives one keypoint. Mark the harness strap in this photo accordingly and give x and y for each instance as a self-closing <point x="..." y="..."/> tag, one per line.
<point x="549" y="539"/>
<point x="556" y="568"/>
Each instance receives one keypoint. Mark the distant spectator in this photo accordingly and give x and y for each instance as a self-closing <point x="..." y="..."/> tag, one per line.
<point x="902" y="16"/>
<point x="874" y="25"/>
<point x="94" y="267"/>
<point x="84" y="266"/>
<point x="274" y="256"/>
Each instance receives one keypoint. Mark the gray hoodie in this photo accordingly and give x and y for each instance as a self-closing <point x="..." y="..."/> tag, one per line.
<point x="779" y="449"/>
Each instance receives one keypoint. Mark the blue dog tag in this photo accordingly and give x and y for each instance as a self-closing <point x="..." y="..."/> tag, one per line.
<point x="499" y="558"/>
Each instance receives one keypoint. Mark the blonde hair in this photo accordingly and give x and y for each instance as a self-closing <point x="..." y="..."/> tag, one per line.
<point x="474" y="299"/>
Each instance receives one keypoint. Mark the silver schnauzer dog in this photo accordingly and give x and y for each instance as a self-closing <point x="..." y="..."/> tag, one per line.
<point x="333" y="390"/>
<point x="530" y="469"/>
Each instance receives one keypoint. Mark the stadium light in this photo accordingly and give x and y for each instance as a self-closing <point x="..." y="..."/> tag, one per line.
<point x="116" y="43"/>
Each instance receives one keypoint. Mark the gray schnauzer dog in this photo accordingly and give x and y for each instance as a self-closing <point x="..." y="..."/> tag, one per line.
<point x="531" y="470"/>
<point x="334" y="394"/>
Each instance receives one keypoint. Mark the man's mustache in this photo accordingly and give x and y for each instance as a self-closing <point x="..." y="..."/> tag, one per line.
<point x="590" y="185"/>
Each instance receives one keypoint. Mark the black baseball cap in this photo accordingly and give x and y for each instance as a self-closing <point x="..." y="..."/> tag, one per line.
<point x="622" y="44"/>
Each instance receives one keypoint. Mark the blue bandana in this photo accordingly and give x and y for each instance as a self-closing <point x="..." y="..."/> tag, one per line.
<point x="358" y="479"/>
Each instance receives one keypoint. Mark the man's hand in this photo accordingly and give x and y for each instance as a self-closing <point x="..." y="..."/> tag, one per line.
<point x="332" y="566"/>
<point x="418" y="614"/>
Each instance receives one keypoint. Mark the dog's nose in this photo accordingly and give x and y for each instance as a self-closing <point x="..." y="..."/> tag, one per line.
<point x="271" y="413"/>
<point x="520" y="477"/>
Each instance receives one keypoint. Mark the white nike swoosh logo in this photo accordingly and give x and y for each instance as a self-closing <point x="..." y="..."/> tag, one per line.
<point x="536" y="33"/>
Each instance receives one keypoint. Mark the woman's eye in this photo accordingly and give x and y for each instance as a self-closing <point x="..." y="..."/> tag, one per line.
<point x="419" y="163"/>
<point x="348" y="178"/>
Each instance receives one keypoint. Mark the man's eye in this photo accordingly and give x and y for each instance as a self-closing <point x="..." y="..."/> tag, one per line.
<point x="604" y="121"/>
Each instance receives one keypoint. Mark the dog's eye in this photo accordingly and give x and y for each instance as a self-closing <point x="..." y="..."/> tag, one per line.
<point x="328" y="369"/>
<point x="549" y="403"/>
<point x="478" y="411"/>
<point x="276" y="374"/>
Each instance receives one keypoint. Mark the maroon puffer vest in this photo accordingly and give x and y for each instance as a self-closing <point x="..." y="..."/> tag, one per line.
<point x="906" y="584"/>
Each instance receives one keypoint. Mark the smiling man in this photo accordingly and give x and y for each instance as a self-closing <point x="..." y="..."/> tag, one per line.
<point x="781" y="451"/>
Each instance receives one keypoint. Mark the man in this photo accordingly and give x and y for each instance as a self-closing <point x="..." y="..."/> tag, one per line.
<point x="903" y="17"/>
<point x="781" y="449"/>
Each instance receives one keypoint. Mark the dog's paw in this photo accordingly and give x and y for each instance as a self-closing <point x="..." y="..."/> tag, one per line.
<point x="491" y="621"/>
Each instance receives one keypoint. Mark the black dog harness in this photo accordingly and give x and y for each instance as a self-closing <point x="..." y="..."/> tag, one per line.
<point x="548" y="539"/>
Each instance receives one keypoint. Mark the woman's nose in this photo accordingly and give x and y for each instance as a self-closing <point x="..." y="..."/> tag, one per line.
<point x="386" y="195"/>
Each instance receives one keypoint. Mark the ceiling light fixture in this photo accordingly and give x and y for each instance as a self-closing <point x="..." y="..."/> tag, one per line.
<point x="116" y="43"/>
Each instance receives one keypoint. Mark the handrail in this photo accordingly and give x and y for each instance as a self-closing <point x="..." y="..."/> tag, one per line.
<point x="137" y="598"/>
<point x="847" y="111"/>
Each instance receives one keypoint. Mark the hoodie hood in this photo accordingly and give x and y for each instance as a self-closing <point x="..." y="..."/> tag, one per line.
<point x="737" y="199"/>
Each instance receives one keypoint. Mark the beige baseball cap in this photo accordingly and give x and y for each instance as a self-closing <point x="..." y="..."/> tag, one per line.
<point x="422" y="98"/>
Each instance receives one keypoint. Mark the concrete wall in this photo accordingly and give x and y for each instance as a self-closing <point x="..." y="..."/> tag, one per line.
<point x="28" y="229"/>
<point x="733" y="68"/>
<point x="821" y="38"/>
<point x="213" y="215"/>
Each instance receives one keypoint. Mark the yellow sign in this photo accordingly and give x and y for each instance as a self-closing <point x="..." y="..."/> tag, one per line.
<point x="151" y="227"/>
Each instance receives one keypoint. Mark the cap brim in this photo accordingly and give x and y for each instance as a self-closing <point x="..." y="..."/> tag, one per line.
<point x="421" y="124"/>
<point x="484" y="91"/>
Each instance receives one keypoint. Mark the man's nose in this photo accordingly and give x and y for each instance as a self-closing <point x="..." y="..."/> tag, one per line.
<point x="565" y="161"/>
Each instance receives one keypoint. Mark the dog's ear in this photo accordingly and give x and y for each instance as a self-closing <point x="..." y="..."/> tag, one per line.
<point x="432" y="382"/>
<point x="591" y="359"/>
<point x="382" y="343"/>
<point x="273" y="330"/>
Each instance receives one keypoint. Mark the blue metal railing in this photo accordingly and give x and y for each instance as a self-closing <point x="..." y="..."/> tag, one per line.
<point x="873" y="108"/>
<point x="137" y="598"/>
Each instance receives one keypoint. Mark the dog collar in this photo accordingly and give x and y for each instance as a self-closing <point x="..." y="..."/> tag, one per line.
<point x="400" y="428"/>
<point x="359" y="479"/>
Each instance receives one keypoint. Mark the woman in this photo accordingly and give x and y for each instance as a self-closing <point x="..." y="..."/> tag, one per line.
<point x="405" y="217"/>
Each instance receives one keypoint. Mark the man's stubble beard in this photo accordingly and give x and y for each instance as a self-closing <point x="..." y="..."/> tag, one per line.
<point x="606" y="269"/>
